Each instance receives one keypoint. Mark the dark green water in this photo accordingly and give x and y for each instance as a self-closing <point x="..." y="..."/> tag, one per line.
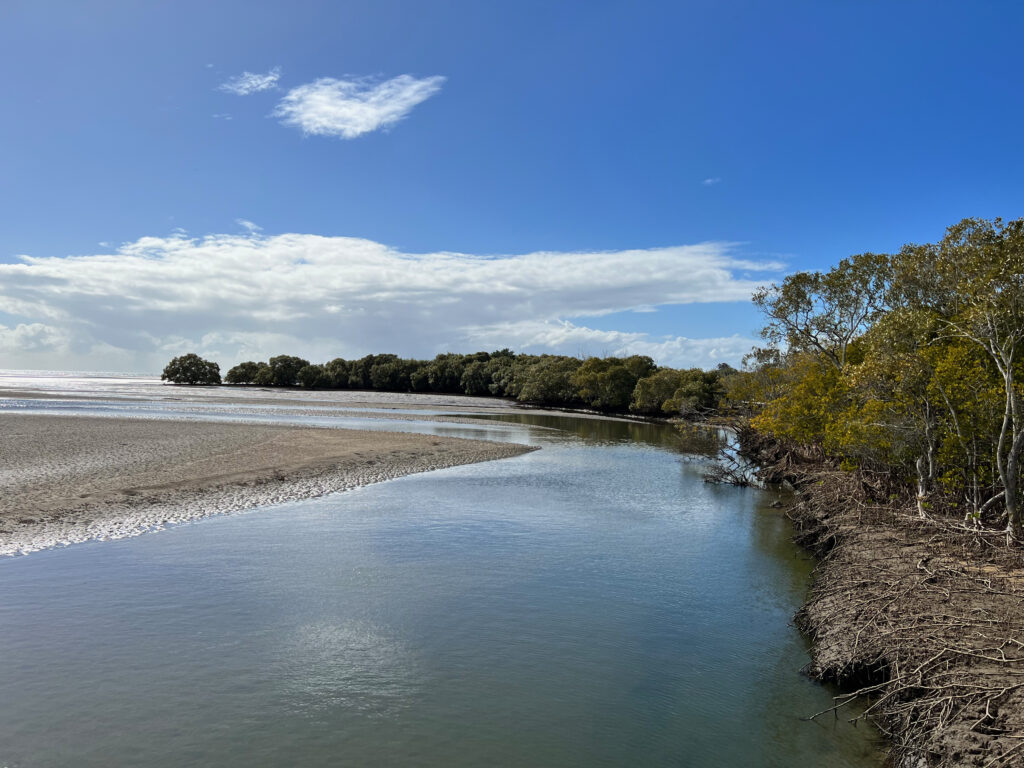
<point x="590" y="604"/>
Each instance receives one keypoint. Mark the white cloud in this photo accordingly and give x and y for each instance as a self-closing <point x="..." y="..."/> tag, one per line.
<point x="251" y="82"/>
<point x="711" y="181"/>
<point x="248" y="225"/>
<point x="31" y="337"/>
<point x="350" y="108"/>
<point x="564" y="337"/>
<point x="236" y="297"/>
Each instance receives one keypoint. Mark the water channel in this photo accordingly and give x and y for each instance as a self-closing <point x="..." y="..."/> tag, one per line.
<point x="593" y="603"/>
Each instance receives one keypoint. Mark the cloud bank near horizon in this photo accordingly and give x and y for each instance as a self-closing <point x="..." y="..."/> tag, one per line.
<point x="237" y="297"/>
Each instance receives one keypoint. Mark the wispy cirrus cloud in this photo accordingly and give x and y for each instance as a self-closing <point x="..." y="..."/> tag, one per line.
<point x="710" y="182"/>
<point x="349" y="108"/>
<point x="233" y="297"/>
<point x="251" y="82"/>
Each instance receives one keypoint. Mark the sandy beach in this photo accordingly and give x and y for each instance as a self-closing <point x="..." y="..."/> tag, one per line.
<point x="67" y="479"/>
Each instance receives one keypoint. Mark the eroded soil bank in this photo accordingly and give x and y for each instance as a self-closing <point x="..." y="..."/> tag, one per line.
<point x="66" y="479"/>
<point x="922" y="617"/>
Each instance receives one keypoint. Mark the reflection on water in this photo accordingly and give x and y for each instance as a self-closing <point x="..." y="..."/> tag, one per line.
<point x="684" y="438"/>
<point x="354" y="666"/>
<point x="590" y="604"/>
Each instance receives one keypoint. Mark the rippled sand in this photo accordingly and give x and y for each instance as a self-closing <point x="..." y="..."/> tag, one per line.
<point x="72" y="479"/>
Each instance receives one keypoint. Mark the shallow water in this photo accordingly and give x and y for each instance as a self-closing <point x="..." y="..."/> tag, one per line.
<point x="590" y="604"/>
<point x="148" y="387"/>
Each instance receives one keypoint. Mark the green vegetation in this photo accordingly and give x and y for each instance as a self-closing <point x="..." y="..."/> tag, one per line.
<point x="907" y="364"/>
<point x="191" y="369"/>
<point x="611" y="384"/>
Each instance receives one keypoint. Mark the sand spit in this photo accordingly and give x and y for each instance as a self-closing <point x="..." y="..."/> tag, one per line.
<point x="393" y="405"/>
<point x="235" y="395"/>
<point x="71" y="479"/>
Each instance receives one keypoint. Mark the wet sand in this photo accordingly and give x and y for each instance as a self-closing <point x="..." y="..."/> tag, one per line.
<point x="67" y="479"/>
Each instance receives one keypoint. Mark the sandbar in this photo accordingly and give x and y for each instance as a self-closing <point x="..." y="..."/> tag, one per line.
<point x="68" y="479"/>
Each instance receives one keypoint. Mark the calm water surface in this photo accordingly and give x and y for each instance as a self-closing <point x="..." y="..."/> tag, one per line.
<point x="590" y="604"/>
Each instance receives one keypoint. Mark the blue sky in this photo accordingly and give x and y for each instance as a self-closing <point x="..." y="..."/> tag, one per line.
<point x="584" y="160"/>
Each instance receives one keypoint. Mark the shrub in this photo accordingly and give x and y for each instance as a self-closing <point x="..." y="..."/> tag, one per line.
<point x="191" y="369"/>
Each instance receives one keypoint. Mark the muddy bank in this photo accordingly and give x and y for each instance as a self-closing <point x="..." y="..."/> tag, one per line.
<point x="71" y="479"/>
<point x="921" y="618"/>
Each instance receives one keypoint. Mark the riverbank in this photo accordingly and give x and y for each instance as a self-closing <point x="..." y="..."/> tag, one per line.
<point x="71" y="479"/>
<point x="922" y="618"/>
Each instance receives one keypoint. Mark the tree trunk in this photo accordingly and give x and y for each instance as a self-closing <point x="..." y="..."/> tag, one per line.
<point x="1012" y="481"/>
<point x="1013" y="522"/>
<point x="922" y="492"/>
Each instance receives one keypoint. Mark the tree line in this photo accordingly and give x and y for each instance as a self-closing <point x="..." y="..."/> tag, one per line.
<point x="609" y="384"/>
<point x="908" y="364"/>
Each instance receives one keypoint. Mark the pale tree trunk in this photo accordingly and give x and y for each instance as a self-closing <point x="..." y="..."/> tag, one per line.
<point x="1008" y="463"/>
<point x="925" y="480"/>
<point x="1012" y="480"/>
<point x="1013" y="522"/>
<point x="922" y="493"/>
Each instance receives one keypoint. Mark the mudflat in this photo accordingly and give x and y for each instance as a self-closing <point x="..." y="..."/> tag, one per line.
<point x="66" y="479"/>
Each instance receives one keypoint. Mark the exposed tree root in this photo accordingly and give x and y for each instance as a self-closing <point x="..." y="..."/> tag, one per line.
<point x="732" y="467"/>
<point x="921" y="619"/>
